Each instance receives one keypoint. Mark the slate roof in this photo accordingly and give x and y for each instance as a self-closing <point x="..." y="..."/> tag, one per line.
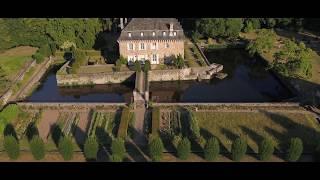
<point x="150" y="25"/>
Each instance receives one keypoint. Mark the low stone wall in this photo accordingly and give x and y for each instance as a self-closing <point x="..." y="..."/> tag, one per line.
<point x="185" y="74"/>
<point x="5" y="97"/>
<point x="98" y="78"/>
<point x="67" y="105"/>
<point x="271" y="104"/>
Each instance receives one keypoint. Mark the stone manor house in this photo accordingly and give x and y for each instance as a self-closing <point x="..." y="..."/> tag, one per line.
<point x="155" y="39"/>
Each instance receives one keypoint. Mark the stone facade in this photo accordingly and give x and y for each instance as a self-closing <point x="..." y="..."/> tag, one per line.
<point x="156" y="51"/>
<point x="158" y="40"/>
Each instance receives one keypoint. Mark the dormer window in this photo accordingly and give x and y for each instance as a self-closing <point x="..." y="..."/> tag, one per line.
<point x="153" y="34"/>
<point x="141" y="34"/>
<point x="174" y="33"/>
<point x="164" y="33"/>
<point x="129" y="34"/>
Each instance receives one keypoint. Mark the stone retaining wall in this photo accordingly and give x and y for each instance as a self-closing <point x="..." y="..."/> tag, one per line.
<point x="272" y="104"/>
<point x="98" y="78"/>
<point x="63" y="105"/>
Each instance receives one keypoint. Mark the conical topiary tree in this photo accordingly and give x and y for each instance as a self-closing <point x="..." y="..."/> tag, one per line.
<point x="211" y="149"/>
<point x="184" y="148"/>
<point x="118" y="148"/>
<point x="238" y="149"/>
<point x="91" y="148"/>
<point x="11" y="146"/>
<point x="266" y="149"/>
<point x="66" y="148"/>
<point x="156" y="149"/>
<point x="295" y="149"/>
<point x="37" y="148"/>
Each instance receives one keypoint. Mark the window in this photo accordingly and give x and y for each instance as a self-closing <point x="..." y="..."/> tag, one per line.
<point x="130" y="46"/>
<point x="141" y="34"/>
<point x="142" y="46"/>
<point x="129" y="34"/>
<point x="153" y="33"/>
<point x="167" y="45"/>
<point x="154" y="58"/>
<point x="164" y="33"/>
<point x="174" y="33"/>
<point x="154" y="45"/>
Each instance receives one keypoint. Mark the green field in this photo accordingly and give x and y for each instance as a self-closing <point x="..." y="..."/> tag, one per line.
<point x="254" y="126"/>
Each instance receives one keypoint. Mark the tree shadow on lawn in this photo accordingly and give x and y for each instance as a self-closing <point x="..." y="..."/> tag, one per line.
<point x="56" y="134"/>
<point x="207" y="135"/>
<point x="10" y="131"/>
<point x="134" y="153"/>
<point x="31" y="131"/>
<point x="104" y="140"/>
<point x="231" y="136"/>
<point x="257" y="138"/>
<point x="308" y="135"/>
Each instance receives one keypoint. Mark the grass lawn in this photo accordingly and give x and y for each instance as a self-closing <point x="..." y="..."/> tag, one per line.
<point x="280" y="127"/>
<point x="192" y="54"/>
<point x="13" y="60"/>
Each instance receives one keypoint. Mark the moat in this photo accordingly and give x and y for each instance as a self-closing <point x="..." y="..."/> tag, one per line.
<point x="247" y="81"/>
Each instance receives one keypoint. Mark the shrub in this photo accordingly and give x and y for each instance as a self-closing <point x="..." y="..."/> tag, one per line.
<point x="124" y="122"/>
<point x="118" y="148"/>
<point x="115" y="158"/>
<point x="212" y="149"/>
<point x="66" y="148"/>
<point x="91" y="148"/>
<point x="147" y="66"/>
<point x="295" y="149"/>
<point x="12" y="147"/>
<point x="156" y="149"/>
<point x="194" y="127"/>
<point x="137" y="66"/>
<point x="266" y="149"/>
<point x="37" y="148"/>
<point x="202" y="141"/>
<point x="122" y="60"/>
<point x="38" y="57"/>
<point x="184" y="149"/>
<point x="179" y="62"/>
<point x="238" y="149"/>
<point x="176" y="140"/>
<point x="155" y="121"/>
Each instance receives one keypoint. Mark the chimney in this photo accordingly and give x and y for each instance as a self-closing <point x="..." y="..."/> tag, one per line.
<point x="171" y="27"/>
<point x="121" y="23"/>
<point x="125" y="21"/>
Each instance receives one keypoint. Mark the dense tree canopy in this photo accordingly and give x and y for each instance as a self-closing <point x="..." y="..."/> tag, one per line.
<point x="264" y="42"/>
<point x="220" y="27"/>
<point x="294" y="60"/>
<point x="40" y="31"/>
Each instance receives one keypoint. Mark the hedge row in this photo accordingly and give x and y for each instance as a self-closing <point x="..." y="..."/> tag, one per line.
<point x="124" y="122"/>
<point x="155" y="121"/>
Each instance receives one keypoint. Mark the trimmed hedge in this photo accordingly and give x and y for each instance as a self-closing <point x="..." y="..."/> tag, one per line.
<point x="295" y="149"/>
<point x="155" y="121"/>
<point x="37" y="148"/>
<point x="91" y="148"/>
<point x="184" y="149"/>
<point x="118" y="148"/>
<point x="266" y="149"/>
<point x="156" y="149"/>
<point x="212" y="149"/>
<point x="11" y="146"/>
<point x="66" y="148"/>
<point x="124" y="122"/>
<point x="238" y="149"/>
